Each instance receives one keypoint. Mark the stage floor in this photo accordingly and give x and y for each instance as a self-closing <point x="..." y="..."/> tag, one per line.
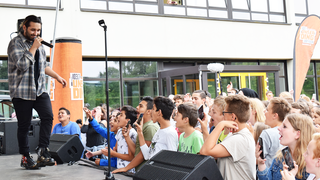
<point x="10" y="169"/>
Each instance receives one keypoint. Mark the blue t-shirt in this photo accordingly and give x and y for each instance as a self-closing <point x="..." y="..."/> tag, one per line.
<point x="71" y="128"/>
<point x="104" y="132"/>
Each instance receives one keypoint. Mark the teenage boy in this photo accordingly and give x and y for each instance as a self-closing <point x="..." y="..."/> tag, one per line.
<point x="66" y="126"/>
<point x="103" y="132"/>
<point x="121" y="151"/>
<point x="275" y="113"/>
<point x="216" y="114"/>
<point x="166" y="137"/>
<point x="269" y="95"/>
<point x="190" y="140"/>
<point x="236" y="153"/>
<point x="149" y="129"/>
<point x="199" y="99"/>
<point x="178" y="99"/>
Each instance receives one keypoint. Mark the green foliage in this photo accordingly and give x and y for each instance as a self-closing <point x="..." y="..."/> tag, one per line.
<point x="139" y="69"/>
<point x="3" y="69"/>
<point x="244" y="63"/>
<point x="95" y="93"/>
<point x="4" y="75"/>
<point x="308" y="87"/>
<point x="112" y="73"/>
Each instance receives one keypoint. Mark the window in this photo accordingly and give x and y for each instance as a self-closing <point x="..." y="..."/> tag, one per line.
<point x="43" y="4"/>
<point x="312" y="80"/>
<point x="4" y="85"/>
<point x="304" y="8"/>
<point x="139" y="79"/>
<point x="94" y="85"/>
<point x="282" y="76"/>
<point x="251" y="10"/>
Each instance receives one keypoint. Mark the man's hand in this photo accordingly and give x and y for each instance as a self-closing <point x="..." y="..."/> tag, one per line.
<point x="289" y="175"/>
<point x="89" y="154"/>
<point x="261" y="162"/>
<point x="139" y="126"/>
<point x="105" y="152"/>
<point x="229" y="87"/>
<point x="204" y="122"/>
<point x="125" y="131"/>
<point x="88" y="113"/>
<point x="62" y="81"/>
<point x="36" y="42"/>
<point x="231" y="126"/>
<point x="119" y="170"/>
<point x="97" y="161"/>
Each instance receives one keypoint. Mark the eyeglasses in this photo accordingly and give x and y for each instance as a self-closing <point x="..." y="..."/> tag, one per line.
<point x="223" y="112"/>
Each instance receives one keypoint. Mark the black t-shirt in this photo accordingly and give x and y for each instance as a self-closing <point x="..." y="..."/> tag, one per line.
<point x="93" y="138"/>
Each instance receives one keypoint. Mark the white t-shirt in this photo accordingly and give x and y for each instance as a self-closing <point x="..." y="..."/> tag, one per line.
<point x="166" y="139"/>
<point x="242" y="162"/>
<point x="122" y="146"/>
<point x="311" y="177"/>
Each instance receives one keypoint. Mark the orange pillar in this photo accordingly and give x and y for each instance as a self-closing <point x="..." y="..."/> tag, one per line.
<point x="68" y="64"/>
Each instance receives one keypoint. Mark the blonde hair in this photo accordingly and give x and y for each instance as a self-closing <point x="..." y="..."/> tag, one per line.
<point x="302" y="123"/>
<point x="285" y="94"/>
<point x="316" y="151"/>
<point x="220" y="103"/>
<point x="258" y="106"/>
<point x="258" y="128"/>
<point x="303" y="96"/>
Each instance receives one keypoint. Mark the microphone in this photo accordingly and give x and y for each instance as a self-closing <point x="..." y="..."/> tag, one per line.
<point x="47" y="44"/>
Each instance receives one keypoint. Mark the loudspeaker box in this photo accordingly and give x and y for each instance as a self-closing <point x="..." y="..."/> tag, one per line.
<point x="65" y="148"/>
<point x="178" y="165"/>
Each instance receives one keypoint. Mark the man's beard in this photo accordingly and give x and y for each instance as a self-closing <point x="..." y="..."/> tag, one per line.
<point x="29" y="36"/>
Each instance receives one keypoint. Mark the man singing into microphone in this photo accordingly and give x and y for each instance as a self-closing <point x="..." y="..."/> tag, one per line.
<point x="27" y="67"/>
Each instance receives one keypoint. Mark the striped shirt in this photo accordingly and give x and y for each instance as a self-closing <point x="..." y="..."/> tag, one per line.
<point x="21" y="69"/>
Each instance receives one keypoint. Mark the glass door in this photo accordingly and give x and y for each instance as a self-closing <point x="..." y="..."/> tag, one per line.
<point x="256" y="81"/>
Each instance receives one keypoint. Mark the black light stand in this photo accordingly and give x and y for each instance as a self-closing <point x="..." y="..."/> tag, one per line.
<point x="109" y="175"/>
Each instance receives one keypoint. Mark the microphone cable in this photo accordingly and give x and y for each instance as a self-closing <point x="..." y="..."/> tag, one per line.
<point x="12" y="33"/>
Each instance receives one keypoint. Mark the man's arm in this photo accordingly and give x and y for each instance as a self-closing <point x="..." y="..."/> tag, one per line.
<point x="204" y="126"/>
<point x="18" y="57"/>
<point x="54" y="75"/>
<point x="210" y="148"/>
<point x="136" y="161"/>
<point x="89" y="154"/>
<point x="96" y="126"/>
<point x="127" y="157"/>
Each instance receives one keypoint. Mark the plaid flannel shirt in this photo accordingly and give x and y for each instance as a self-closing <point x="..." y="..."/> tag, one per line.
<point x="21" y="69"/>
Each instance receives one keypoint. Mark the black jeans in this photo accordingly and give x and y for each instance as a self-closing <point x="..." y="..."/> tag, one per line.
<point x="23" y="110"/>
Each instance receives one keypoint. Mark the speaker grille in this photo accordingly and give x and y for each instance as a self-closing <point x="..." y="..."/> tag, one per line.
<point x="178" y="159"/>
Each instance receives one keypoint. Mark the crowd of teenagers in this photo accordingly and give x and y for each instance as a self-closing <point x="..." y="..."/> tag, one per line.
<point x="249" y="139"/>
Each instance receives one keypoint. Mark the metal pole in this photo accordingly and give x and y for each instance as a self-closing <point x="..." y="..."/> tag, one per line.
<point x="53" y="43"/>
<point x="108" y="173"/>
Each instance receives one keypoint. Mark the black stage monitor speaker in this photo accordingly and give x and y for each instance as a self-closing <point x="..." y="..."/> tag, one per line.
<point x="178" y="165"/>
<point x="9" y="140"/>
<point x="65" y="148"/>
